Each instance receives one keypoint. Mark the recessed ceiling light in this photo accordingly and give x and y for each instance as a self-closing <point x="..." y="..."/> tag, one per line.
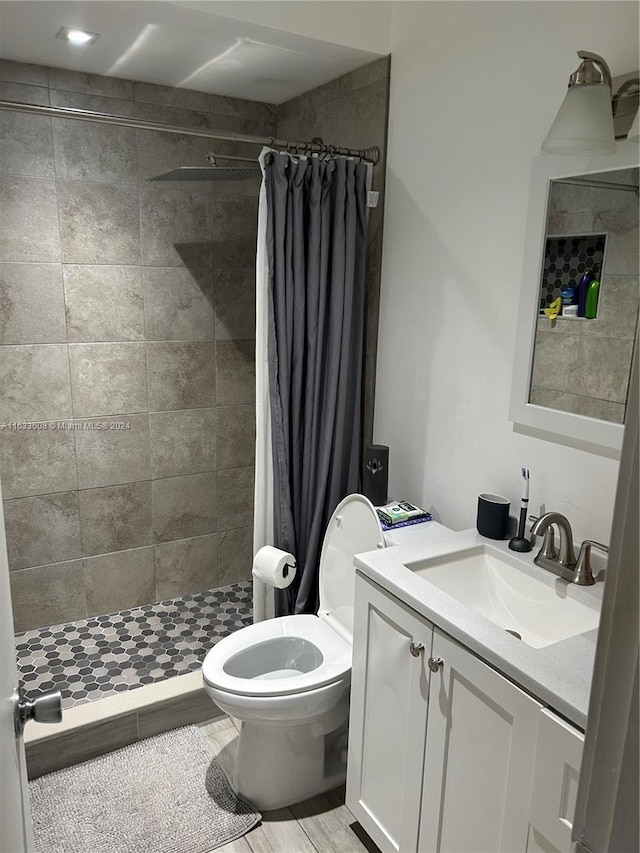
<point x="77" y="37"/>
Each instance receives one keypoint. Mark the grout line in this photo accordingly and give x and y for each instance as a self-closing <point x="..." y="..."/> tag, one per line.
<point x="82" y="549"/>
<point x="123" y="184"/>
<point x="246" y="268"/>
<point x="120" y="415"/>
<point x="146" y="366"/>
<point x="66" y="327"/>
<point x="135" y="340"/>
<point x="129" y="483"/>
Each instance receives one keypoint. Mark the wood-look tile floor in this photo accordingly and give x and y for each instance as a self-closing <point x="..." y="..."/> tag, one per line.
<point x="320" y="825"/>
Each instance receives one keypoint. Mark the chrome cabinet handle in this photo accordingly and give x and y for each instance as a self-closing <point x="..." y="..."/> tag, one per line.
<point x="435" y="664"/>
<point x="416" y="648"/>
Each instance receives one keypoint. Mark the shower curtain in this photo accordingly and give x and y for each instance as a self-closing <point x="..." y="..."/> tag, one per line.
<point x="263" y="533"/>
<point x="315" y="241"/>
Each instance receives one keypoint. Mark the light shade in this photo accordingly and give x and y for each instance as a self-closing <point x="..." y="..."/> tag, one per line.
<point x="634" y="131"/>
<point x="584" y="124"/>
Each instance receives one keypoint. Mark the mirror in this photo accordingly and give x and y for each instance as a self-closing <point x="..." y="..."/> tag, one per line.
<point x="571" y="373"/>
<point x="583" y="346"/>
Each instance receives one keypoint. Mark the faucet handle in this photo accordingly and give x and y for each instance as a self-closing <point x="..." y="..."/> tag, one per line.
<point x="584" y="575"/>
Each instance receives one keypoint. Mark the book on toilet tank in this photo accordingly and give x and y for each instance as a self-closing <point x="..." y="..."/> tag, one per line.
<point x="401" y="514"/>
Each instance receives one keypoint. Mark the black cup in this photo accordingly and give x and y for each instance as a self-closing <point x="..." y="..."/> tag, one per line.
<point x="493" y="516"/>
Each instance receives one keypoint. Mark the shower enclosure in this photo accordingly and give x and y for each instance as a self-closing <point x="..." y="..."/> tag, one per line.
<point x="126" y="385"/>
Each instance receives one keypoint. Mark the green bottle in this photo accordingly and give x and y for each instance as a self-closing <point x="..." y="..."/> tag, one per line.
<point x="591" y="302"/>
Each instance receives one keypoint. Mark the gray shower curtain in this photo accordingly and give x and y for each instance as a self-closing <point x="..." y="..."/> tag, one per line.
<point x="316" y="247"/>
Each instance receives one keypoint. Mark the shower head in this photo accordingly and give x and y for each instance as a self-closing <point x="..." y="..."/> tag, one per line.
<point x="209" y="173"/>
<point x="213" y="172"/>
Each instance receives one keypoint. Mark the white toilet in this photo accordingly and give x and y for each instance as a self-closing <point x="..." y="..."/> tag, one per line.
<point x="287" y="679"/>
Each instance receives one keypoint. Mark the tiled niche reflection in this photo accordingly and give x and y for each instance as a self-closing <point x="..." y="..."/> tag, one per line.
<point x="566" y="259"/>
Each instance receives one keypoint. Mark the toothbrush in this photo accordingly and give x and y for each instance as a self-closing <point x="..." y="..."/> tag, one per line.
<point x="520" y="542"/>
<point x="524" y="503"/>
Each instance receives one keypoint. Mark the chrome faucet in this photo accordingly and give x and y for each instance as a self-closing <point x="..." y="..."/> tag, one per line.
<point x="566" y="557"/>
<point x="563" y="562"/>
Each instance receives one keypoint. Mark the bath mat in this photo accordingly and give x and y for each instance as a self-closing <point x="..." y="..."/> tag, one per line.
<point x="165" y="794"/>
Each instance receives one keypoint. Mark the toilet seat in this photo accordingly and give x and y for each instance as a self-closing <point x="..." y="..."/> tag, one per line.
<point x="288" y="655"/>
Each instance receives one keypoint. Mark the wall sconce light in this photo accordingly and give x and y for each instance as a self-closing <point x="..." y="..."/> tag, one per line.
<point x="584" y="124"/>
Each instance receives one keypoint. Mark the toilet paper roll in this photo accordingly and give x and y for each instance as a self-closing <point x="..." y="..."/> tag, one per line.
<point x="274" y="567"/>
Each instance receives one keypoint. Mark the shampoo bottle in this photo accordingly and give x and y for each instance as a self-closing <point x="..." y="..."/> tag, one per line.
<point x="583" y="286"/>
<point x="591" y="302"/>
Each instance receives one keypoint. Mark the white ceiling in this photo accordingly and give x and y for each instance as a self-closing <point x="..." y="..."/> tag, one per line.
<point x="364" y="24"/>
<point x="175" y="44"/>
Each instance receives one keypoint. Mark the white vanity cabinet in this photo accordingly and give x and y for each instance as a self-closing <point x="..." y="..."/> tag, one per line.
<point x="441" y="755"/>
<point x="388" y="717"/>
<point x="555" y="785"/>
<point x="480" y="751"/>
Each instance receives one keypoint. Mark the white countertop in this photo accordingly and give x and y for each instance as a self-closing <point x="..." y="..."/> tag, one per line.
<point x="559" y="675"/>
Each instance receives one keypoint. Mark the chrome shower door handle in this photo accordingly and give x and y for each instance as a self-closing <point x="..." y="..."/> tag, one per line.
<point x="415" y="649"/>
<point x="46" y="708"/>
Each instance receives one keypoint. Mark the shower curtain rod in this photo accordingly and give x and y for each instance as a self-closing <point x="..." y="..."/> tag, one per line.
<point x="598" y="185"/>
<point x="371" y="155"/>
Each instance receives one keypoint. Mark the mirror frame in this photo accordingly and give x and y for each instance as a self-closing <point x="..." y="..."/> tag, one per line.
<point x="589" y="434"/>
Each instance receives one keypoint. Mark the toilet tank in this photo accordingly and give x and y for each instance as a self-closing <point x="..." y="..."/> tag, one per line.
<point x="353" y="529"/>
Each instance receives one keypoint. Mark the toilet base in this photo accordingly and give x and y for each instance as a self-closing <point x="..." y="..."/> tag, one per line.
<point x="277" y="767"/>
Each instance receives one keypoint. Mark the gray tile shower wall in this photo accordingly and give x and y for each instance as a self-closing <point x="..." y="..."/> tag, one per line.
<point x="131" y="304"/>
<point x="352" y="111"/>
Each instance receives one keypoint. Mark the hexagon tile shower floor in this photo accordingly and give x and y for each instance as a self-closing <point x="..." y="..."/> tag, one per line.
<point x="103" y="655"/>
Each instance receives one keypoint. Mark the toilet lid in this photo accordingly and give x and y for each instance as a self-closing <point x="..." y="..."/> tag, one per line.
<point x="353" y="528"/>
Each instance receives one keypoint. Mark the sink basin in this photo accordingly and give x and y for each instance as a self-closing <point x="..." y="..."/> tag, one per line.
<point x="489" y="582"/>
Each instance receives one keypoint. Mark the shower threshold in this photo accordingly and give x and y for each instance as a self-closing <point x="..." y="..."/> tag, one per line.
<point x="107" y="655"/>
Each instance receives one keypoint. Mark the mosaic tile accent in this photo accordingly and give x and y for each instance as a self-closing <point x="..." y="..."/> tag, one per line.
<point x="98" y="657"/>
<point x="565" y="260"/>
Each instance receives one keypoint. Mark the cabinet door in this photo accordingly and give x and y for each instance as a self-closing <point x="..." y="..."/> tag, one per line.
<point x="555" y="785"/>
<point x="480" y="752"/>
<point x="389" y="696"/>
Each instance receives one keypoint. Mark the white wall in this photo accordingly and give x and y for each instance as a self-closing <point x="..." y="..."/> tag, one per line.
<point x="474" y="88"/>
